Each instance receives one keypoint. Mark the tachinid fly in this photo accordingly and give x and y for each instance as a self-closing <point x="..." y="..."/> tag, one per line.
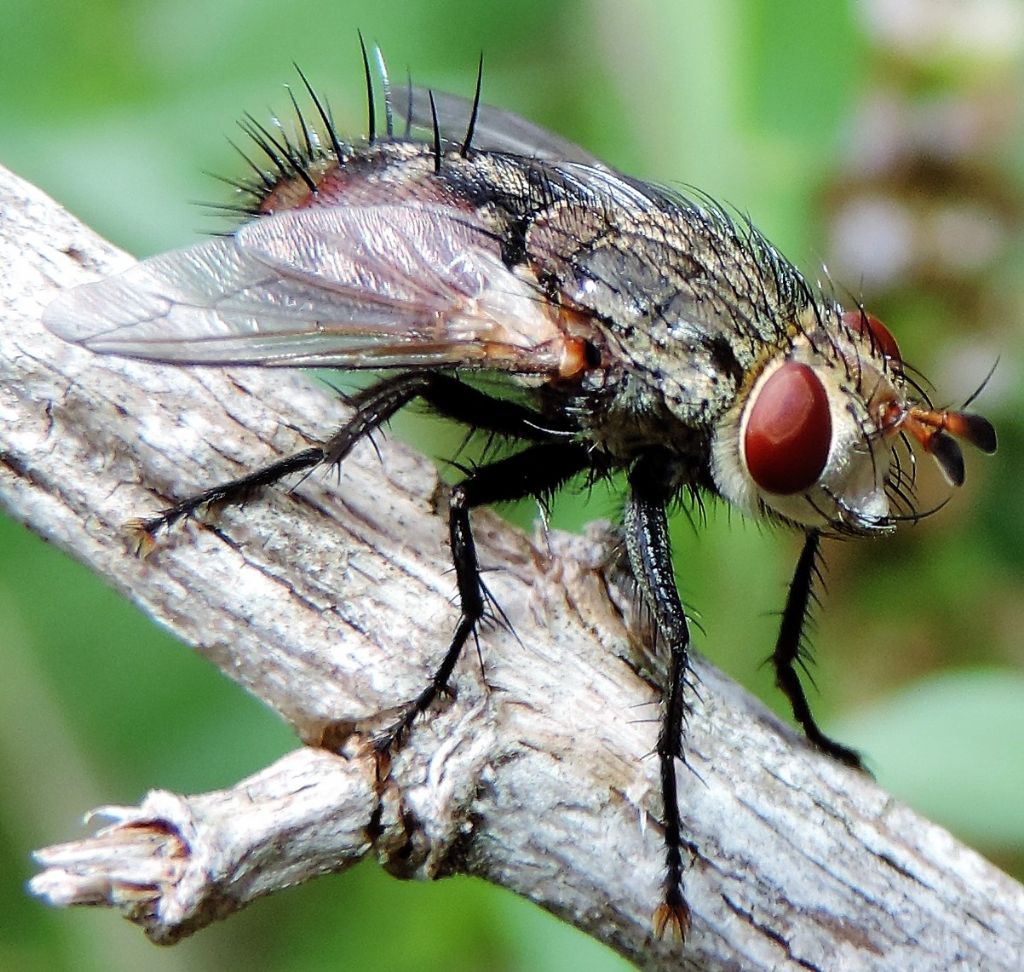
<point x="646" y="331"/>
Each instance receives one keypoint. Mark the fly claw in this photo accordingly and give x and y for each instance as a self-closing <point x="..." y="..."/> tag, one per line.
<point x="673" y="916"/>
<point x="632" y="330"/>
<point x="142" y="537"/>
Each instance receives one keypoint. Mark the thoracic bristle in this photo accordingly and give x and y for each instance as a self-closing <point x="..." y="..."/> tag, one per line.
<point x="298" y="162"/>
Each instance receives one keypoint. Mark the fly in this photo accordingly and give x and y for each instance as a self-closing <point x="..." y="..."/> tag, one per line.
<point x="647" y="332"/>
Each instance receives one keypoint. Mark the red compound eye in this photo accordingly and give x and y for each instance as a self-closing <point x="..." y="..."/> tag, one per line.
<point x="789" y="431"/>
<point x="864" y="323"/>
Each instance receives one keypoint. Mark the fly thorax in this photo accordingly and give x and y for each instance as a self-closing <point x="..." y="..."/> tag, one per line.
<point x="808" y="439"/>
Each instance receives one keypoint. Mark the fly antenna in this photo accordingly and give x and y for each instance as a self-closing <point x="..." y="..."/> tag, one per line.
<point x="471" y="127"/>
<point x="371" y="113"/>
<point x="385" y="82"/>
<point x="437" y="133"/>
<point x="324" y="114"/>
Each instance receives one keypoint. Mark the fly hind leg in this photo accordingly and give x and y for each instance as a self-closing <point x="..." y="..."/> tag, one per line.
<point x="373" y="407"/>
<point x="238" y="490"/>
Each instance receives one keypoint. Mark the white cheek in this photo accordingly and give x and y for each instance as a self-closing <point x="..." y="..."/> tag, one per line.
<point x="857" y="473"/>
<point x="728" y="468"/>
<point x="850" y="490"/>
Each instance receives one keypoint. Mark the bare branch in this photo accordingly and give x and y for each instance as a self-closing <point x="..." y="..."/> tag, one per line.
<point x="331" y="604"/>
<point x="157" y="862"/>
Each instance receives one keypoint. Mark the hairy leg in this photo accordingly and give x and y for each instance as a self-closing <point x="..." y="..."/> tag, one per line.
<point x="647" y="543"/>
<point x="537" y="471"/>
<point x="372" y="408"/>
<point x="790" y="652"/>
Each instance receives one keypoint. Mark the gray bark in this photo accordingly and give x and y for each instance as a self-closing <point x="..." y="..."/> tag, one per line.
<point x="332" y="602"/>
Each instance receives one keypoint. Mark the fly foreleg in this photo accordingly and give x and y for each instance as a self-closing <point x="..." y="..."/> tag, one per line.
<point x="650" y="555"/>
<point x="790" y="652"/>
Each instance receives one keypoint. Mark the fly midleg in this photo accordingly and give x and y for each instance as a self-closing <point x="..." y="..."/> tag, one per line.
<point x="790" y="651"/>
<point x="650" y="555"/>
<point x="537" y="471"/>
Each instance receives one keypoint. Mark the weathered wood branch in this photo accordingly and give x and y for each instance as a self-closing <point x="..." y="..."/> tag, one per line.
<point x="331" y="604"/>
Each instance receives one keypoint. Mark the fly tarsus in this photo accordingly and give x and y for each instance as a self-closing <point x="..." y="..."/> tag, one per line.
<point x="673" y="914"/>
<point x="145" y="529"/>
<point x="391" y="738"/>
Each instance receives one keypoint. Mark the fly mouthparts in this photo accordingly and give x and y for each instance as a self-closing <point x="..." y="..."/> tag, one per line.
<point x="935" y="431"/>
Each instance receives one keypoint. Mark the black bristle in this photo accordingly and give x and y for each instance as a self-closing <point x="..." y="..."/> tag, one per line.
<point x="287" y="160"/>
<point x="312" y="148"/>
<point x="325" y="116"/>
<point x="408" y="106"/>
<point x="371" y="112"/>
<point x="261" y="174"/>
<point x="265" y="145"/>
<point x="471" y="127"/>
<point x="437" y="133"/>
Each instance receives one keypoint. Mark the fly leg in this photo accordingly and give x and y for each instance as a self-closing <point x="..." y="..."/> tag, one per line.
<point x="790" y="651"/>
<point x="650" y="555"/>
<point x="233" y="491"/>
<point x="373" y="407"/>
<point x="537" y="471"/>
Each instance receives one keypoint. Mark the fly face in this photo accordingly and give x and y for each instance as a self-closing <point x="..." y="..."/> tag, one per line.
<point x="655" y="336"/>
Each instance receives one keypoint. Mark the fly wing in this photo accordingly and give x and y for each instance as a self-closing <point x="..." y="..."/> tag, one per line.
<point x="352" y="287"/>
<point x="495" y="130"/>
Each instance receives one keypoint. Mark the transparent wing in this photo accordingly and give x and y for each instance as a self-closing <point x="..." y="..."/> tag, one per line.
<point x="496" y="130"/>
<point x="354" y="287"/>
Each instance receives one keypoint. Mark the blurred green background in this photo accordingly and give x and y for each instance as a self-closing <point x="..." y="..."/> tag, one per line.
<point x="882" y="138"/>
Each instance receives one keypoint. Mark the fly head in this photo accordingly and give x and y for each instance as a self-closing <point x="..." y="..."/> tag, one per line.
<point x="814" y="436"/>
